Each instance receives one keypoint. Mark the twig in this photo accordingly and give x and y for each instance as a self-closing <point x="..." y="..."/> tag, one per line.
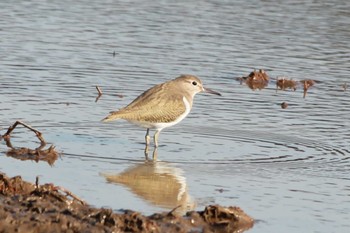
<point x="99" y="90"/>
<point x="99" y="93"/>
<point x="119" y="95"/>
<point x="68" y="193"/>
<point x="172" y="211"/>
<point x="37" y="133"/>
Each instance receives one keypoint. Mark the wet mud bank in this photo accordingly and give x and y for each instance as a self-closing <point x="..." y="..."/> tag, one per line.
<point x="31" y="207"/>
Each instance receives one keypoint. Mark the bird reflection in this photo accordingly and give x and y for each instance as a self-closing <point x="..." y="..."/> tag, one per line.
<point x="158" y="183"/>
<point x="154" y="153"/>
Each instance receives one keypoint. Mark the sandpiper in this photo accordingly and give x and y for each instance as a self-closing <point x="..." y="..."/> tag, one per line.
<point x="162" y="106"/>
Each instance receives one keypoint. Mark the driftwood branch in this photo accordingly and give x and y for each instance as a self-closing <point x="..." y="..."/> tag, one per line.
<point x="38" y="134"/>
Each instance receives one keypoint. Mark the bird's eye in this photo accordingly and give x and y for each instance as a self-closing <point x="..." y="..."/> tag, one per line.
<point x="194" y="83"/>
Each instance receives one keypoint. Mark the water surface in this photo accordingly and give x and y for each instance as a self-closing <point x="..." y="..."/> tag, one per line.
<point x="287" y="168"/>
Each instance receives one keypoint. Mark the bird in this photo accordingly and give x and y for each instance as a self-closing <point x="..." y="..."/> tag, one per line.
<point x="162" y="106"/>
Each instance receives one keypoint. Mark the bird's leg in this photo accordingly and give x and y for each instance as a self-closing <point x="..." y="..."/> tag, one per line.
<point x="146" y="153"/>
<point x="147" y="138"/>
<point x="156" y="135"/>
<point x="148" y="141"/>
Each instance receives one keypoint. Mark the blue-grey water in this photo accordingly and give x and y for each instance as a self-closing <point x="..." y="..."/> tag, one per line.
<point x="287" y="168"/>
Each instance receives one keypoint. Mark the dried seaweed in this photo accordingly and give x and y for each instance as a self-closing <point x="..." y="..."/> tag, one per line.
<point x="257" y="79"/>
<point x="50" y="155"/>
<point x="284" y="83"/>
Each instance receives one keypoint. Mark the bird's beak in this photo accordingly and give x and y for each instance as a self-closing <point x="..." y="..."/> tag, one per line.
<point x="207" y="90"/>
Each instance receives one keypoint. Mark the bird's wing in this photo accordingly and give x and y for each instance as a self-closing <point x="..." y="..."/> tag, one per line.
<point x="150" y="107"/>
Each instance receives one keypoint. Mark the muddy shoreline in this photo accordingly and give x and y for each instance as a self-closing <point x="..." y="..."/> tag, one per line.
<point x="31" y="207"/>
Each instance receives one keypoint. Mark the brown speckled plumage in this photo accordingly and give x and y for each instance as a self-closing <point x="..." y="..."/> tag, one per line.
<point x="163" y="107"/>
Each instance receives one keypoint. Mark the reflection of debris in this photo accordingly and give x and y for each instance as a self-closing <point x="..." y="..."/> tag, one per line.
<point x="284" y="105"/>
<point x="221" y="190"/>
<point x="284" y="83"/>
<point x="256" y="79"/>
<point x="49" y="155"/>
<point x="307" y="84"/>
<point x="22" y="203"/>
<point x="345" y="86"/>
<point x="119" y="95"/>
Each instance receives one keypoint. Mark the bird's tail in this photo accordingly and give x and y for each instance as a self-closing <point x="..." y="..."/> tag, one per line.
<point x="110" y="117"/>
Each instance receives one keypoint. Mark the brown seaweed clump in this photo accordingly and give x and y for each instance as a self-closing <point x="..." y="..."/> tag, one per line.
<point x="28" y="207"/>
<point x="257" y="79"/>
<point x="284" y="83"/>
<point x="307" y="83"/>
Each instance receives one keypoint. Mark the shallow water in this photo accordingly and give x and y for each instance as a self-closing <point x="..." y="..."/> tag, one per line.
<point x="287" y="168"/>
